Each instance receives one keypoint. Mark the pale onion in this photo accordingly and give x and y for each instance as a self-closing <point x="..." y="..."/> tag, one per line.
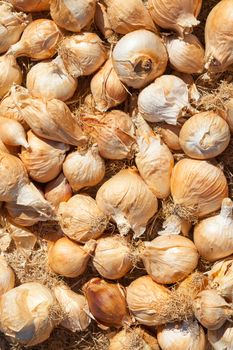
<point x="12" y="133"/>
<point x="107" y="302"/>
<point x="139" y="57"/>
<point x="51" y="80"/>
<point x="7" y="276"/>
<point x="113" y="257"/>
<point x="75" y="308"/>
<point x="132" y="339"/>
<point x="10" y="73"/>
<point x="228" y="113"/>
<point x="84" y="169"/>
<point x="221" y="338"/>
<point x="58" y="190"/>
<point x="192" y="285"/>
<point x="127" y="199"/>
<point x="81" y="219"/>
<point x="68" y="258"/>
<point x="170" y="136"/>
<point x="39" y="40"/>
<point x="51" y="119"/>
<point x="12" y="24"/>
<point x="205" y="135"/>
<point x="114" y="134"/>
<point x="213" y="236"/>
<point x="185" y="55"/>
<point x="198" y="186"/>
<point x="178" y="15"/>
<point x="25" y="313"/>
<point x="174" y="225"/>
<point x="82" y="54"/>
<point x="73" y="15"/>
<point x="163" y="100"/>
<point x="107" y="89"/>
<point x="145" y="299"/>
<point x="153" y="159"/>
<point x="211" y="310"/>
<point x="184" y="335"/>
<point x="218" y="37"/>
<point x="31" y="5"/>
<point x="221" y="277"/>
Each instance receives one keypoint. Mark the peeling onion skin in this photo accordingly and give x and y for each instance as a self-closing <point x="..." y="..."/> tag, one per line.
<point x="127" y="338"/>
<point x="221" y="338"/>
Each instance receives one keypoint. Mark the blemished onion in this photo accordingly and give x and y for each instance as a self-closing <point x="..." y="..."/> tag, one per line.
<point x="129" y="338"/>
<point x="44" y="158"/>
<point x="25" y="313"/>
<point x="170" y="136"/>
<point x="164" y="100"/>
<point x="51" y="80"/>
<point x="73" y="15"/>
<point x="221" y="338"/>
<point x="198" y="186"/>
<point x="82" y="54"/>
<point x="7" y="276"/>
<point x="179" y="15"/>
<point x="39" y="40"/>
<point x="75" y="308"/>
<point x="113" y="257"/>
<point x="12" y="133"/>
<point x="205" y="135"/>
<point x="213" y="236"/>
<point x="81" y="219"/>
<point x="211" y="310"/>
<point x="84" y="169"/>
<point x="68" y="258"/>
<point x="127" y="199"/>
<point x="107" y="89"/>
<point x="31" y="5"/>
<point x="153" y="159"/>
<point x="10" y="73"/>
<point x="12" y="24"/>
<point x="107" y="302"/>
<point x="139" y="57"/>
<point x="180" y="336"/>
<point x="58" y="190"/>
<point x="221" y="278"/>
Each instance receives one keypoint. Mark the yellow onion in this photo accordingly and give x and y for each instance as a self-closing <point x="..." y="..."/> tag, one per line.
<point x="221" y="278"/>
<point x="51" y="80"/>
<point x="12" y="133"/>
<point x="107" y="302"/>
<point x="131" y="338"/>
<point x="84" y="169"/>
<point x="31" y="5"/>
<point x="211" y="310"/>
<point x="128" y="200"/>
<point x="212" y="236"/>
<point x="205" y="135"/>
<point x="179" y="15"/>
<point x="81" y="219"/>
<point x="192" y="285"/>
<point x="184" y="335"/>
<point x="163" y="100"/>
<point x="185" y="55"/>
<point x="198" y="186"/>
<point x="24" y="239"/>
<point x="153" y="159"/>
<point x="218" y="37"/>
<point x="228" y="113"/>
<point x="139" y="57"/>
<point x="221" y="338"/>
<point x="107" y="89"/>
<point x="82" y="54"/>
<point x="7" y="276"/>
<point x="12" y="24"/>
<point x="102" y="21"/>
<point x="10" y="73"/>
<point x="39" y="40"/>
<point x="68" y="258"/>
<point x="25" y="313"/>
<point x="75" y="308"/>
<point x="170" y="136"/>
<point x="113" y="257"/>
<point x="72" y="15"/>
<point x="114" y="134"/>
<point x="58" y="190"/>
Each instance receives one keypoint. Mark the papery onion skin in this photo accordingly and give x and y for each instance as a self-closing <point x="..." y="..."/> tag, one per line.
<point x="221" y="278"/>
<point x="22" y="215"/>
<point x="10" y="73"/>
<point x="221" y="338"/>
<point x="127" y="338"/>
<point x="31" y="5"/>
<point x="7" y="276"/>
<point x="102" y="21"/>
<point x="58" y="190"/>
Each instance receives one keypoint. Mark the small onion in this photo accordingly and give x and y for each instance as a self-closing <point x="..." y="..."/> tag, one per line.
<point x="228" y="115"/>
<point x="131" y="338"/>
<point x="102" y="21"/>
<point x="221" y="278"/>
<point x="31" y="5"/>
<point x="12" y="133"/>
<point x="7" y="277"/>
<point x="170" y="136"/>
<point x="10" y="73"/>
<point x="58" y="190"/>
<point x="221" y="338"/>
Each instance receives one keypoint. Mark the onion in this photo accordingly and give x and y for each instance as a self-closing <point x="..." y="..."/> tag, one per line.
<point x="7" y="276"/>
<point x="12" y="133"/>
<point x="31" y="5"/>
<point x="58" y="190"/>
<point x="10" y="73"/>
<point x="170" y="136"/>
<point x="221" y="338"/>
<point x="129" y="338"/>
<point x="221" y="278"/>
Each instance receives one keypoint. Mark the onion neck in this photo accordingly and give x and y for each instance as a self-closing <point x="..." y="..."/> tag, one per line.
<point x="185" y="23"/>
<point x="122" y="223"/>
<point x="172" y="226"/>
<point x="227" y="207"/>
<point x="17" y="50"/>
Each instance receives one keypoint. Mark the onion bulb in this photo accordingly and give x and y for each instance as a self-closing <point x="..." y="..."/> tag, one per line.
<point x="51" y="80"/>
<point x="221" y="338"/>
<point x="25" y="313"/>
<point x="128" y="200"/>
<point x="81" y="219"/>
<point x="72" y="15"/>
<point x="39" y="40"/>
<point x="68" y="258"/>
<point x="10" y="73"/>
<point x="82" y="54"/>
<point x="129" y="338"/>
<point x="213" y="236"/>
<point x="31" y="5"/>
<point x="228" y="113"/>
<point x="107" y="302"/>
<point x="75" y="308"/>
<point x="102" y="21"/>
<point x="44" y="159"/>
<point x="7" y="276"/>
<point x="170" y="136"/>
<point x="58" y="190"/>
<point x="84" y="169"/>
<point x="221" y="278"/>
<point x="163" y="100"/>
<point x="205" y="135"/>
<point x="12" y="133"/>
<point x="198" y="186"/>
<point x="113" y="257"/>
<point x="139" y="57"/>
